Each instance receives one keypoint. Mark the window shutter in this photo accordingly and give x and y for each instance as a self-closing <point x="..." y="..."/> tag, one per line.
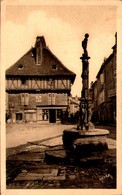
<point x="53" y="99"/>
<point x="22" y="99"/>
<point x="49" y="99"/>
<point x="26" y="99"/>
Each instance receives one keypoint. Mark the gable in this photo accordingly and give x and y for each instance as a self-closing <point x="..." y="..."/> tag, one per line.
<point x="51" y="65"/>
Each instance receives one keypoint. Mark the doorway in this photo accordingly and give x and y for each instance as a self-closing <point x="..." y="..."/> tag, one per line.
<point x="19" y="116"/>
<point x="52" y="114"/>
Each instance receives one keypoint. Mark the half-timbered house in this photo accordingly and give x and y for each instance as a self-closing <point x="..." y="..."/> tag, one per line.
<point x="38" y="86"/>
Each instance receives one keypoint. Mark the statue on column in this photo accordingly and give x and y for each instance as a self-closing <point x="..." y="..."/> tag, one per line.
<point x="84" y="113"/>
<point x="84" y="44"/>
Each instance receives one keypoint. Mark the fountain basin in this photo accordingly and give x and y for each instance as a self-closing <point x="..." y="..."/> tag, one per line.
<point x="87" y="145"/>
<point x="93" y="138"/>
<point x="78" y="144"/>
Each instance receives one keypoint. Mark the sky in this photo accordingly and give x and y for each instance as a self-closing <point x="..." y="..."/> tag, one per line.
<point x="63" y="27"/>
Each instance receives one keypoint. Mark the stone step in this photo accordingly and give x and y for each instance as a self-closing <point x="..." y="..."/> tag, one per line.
<point x="27" y="156"/>
<point x="53" y="178"/>
<point x="31" y="176"/>
<point x="28" y="177"/>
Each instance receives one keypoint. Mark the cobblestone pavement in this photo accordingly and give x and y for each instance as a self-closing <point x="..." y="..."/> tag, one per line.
<point x="27" y="169"/>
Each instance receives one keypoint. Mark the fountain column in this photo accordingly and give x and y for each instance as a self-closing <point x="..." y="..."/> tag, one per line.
<point x="85" y="101"/>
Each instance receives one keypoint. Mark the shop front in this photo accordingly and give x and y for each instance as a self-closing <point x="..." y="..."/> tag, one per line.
<point x="49" y="114"/>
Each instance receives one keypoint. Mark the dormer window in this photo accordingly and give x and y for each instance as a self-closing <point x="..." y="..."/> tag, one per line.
<point x="20" y="67"/>
<point x="54" y="67"/>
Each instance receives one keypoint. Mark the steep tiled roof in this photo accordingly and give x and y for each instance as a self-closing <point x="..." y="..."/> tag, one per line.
<point x="107" y="60"/>
<point x="51" y="65"/>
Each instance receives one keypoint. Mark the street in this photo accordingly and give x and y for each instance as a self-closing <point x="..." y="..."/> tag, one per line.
<point x="18" y="134"/>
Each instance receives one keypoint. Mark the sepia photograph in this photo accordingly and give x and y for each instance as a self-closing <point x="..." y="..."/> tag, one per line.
<point x="60" y="97"/>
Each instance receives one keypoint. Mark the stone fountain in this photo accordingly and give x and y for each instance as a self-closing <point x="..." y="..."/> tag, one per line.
<point x="84" y="139"/>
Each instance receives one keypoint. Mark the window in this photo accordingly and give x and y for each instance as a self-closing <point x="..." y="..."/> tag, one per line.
<point x="23" y="80"/>
<point x="59" y="113"/>
<point x="38" y="98"/>
<point x="24" y="99"/>
<point x="114" y="73"/>
<point x="18" y="116"/>
<point x="20" y="67"/>
<point x="53" y="99"/>
<point x="54" y="67"/>
<point x="51" y="83"/>
<point x="45" y="114"/>
<point x="49" y="99"/>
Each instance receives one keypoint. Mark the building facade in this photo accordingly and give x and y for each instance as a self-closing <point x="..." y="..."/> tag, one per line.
<point x="73" y="109"/>
<point x="110" y="86"/>
<point x="93" y="96"/>
<point x="38" y="86"/>
<point x="104" y="90"/>
<point x="74" y="104"/>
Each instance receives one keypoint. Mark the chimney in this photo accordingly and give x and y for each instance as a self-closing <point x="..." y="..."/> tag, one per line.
<point x="39" y="45"/>
<point x="116" y="38"/>
<point x="115" y="46"/>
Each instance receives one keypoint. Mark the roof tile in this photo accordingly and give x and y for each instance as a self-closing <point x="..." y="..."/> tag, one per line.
<point x="26" y="65"/>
